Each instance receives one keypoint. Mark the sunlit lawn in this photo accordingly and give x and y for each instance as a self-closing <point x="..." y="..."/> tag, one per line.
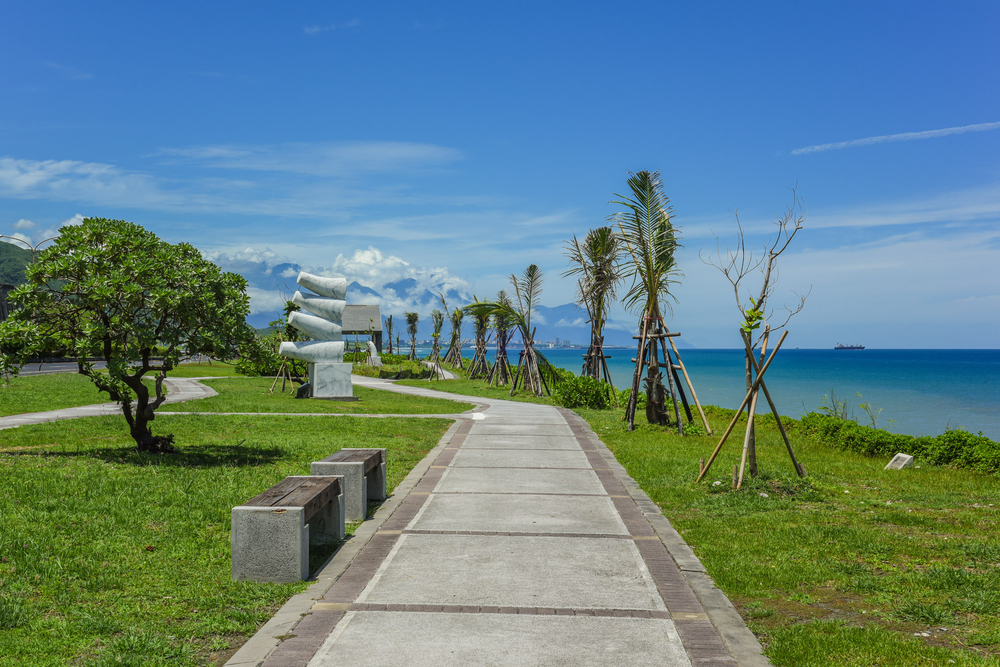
<point x="109" y="557"/>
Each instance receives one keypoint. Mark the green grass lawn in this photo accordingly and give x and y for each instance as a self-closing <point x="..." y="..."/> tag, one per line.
<point x="475" y="388"/>
<point x="843" y="567"/>
<point x="214" y="369"/>
<point x="251" y="395"/>
<point x="110" y="557"/>
<point x="37" y="393"/>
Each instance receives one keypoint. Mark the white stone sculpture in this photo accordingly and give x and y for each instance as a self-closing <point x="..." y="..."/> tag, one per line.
<point x="329" y="376"/>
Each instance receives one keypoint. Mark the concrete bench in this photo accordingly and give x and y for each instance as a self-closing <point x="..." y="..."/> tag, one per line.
<point x="271" y="532"/>
<point x="364" y="478"/>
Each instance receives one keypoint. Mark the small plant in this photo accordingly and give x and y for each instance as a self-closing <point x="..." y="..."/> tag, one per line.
<point x="870" y="410"/>
<point x="919" y="612"/>
<point x="831" y="406"/>
<point x="12" y="613"/>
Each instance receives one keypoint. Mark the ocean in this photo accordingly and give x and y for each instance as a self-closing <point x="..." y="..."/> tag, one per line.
<point x="920" y="392"/>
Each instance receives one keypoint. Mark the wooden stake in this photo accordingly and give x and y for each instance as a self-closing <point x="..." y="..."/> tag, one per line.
<point x="690" y="386"/>
<point x="777" y="418"/>
<point x="735" y="468"/>
<point x="750" y="414"/>
<point x="739" y="410"/>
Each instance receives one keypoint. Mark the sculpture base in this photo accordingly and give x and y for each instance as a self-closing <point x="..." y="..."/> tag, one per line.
<point x="331" y="380"/>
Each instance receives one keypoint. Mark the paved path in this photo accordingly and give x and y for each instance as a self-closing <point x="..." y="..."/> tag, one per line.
<point x="178" y="390"/>
<point x="520" y="541"/>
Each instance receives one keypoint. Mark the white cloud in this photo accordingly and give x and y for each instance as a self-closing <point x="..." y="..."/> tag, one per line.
<point x="369" y="267"/>
<point x="316" y="29"/>
<point x="578" y="322"/>
<point x="972" y="205"/>
<point x="346" y="158"/>
<point x="23" y="237"/>
<point x="70" y="72"/>
<point x="265" y="301"/>
<point x="905" y="136"/>
<point x="23" y="224"/>
<point x="75" y="220"/>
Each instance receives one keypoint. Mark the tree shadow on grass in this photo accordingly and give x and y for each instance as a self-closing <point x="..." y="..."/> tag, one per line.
<point x="190" y="456"/>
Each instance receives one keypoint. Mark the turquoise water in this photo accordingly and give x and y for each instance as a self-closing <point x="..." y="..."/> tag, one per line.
<point x="923" y="392"/>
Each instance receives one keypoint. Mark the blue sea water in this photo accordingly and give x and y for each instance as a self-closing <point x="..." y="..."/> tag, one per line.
<point x="920" y="392"/>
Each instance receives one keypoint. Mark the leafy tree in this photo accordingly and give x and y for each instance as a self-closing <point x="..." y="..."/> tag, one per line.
<point x="111" y="289"/>
<point x="412" y="319"/>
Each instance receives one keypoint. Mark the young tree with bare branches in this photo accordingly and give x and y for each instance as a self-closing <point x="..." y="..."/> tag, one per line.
<point x="743" y="268"/>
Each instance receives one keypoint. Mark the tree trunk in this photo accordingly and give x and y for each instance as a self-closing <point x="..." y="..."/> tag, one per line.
<point x="139" y="422"/>
<point x="752" y="447"/>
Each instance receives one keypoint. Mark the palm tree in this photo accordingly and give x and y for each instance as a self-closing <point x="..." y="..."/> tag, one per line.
<point x="437" y="319"/>
<point x="454" y="353"/>
<point x="480" y="328"/>
<point x="527" y="290"/>
<point x="596" y="262"/>
<point x="411" y="329"/>
<point x="388" y="332"/>
<point x="650" y="241"/>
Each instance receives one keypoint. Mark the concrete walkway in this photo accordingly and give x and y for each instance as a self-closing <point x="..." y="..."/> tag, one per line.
<point x="518" y="541"/>
<point x="178" y="390"/>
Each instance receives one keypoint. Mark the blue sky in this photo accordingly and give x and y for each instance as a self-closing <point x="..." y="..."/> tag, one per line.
<point x="456" y="143"/>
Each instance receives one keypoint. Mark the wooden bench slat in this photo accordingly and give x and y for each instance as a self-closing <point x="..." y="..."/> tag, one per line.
<point x="372" y="458"/>
<point x="309" y="494"/>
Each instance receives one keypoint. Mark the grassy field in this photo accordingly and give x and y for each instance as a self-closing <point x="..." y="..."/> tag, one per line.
<point x="109" y="557"/>
<point x="251" y="395"/>
<point x="474" y="388"/>
<point x="843" y="567"/>
<point x="37" y="393"/>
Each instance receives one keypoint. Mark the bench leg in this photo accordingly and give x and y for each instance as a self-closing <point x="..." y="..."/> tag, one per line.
<point x="376" y="482"/>
<point x="354" y="489"/>
<point x="269" y="545"/>
<point x="327" y="525"/>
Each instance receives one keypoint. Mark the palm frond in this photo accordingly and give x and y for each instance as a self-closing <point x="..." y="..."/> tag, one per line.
<point x="650" y="238"/>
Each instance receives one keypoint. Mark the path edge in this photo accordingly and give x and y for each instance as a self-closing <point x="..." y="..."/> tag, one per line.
<point x="740" y="641"/>
<point x="260" y="646"/>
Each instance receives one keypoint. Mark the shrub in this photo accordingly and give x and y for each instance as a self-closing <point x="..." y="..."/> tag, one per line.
<point x="582" y="392"/>
<point x="956" y="448"/>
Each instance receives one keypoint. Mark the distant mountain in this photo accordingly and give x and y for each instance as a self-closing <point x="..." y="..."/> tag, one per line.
<point x="13" y="259"/>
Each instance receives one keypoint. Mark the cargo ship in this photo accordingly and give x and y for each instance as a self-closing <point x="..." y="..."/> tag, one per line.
<point x="849" y="347"/>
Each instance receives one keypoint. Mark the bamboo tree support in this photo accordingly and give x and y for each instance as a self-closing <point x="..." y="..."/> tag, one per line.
<point x="687" y="379"/>
<point x="751" y="412"/>
<point x="500" y="374"/>
<point x="595" y="364"/>
<point x="528" y="361"/>
<point x="647" y="357"/>
<point x="777" y="418"/>
<point x="739" y="410"/>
